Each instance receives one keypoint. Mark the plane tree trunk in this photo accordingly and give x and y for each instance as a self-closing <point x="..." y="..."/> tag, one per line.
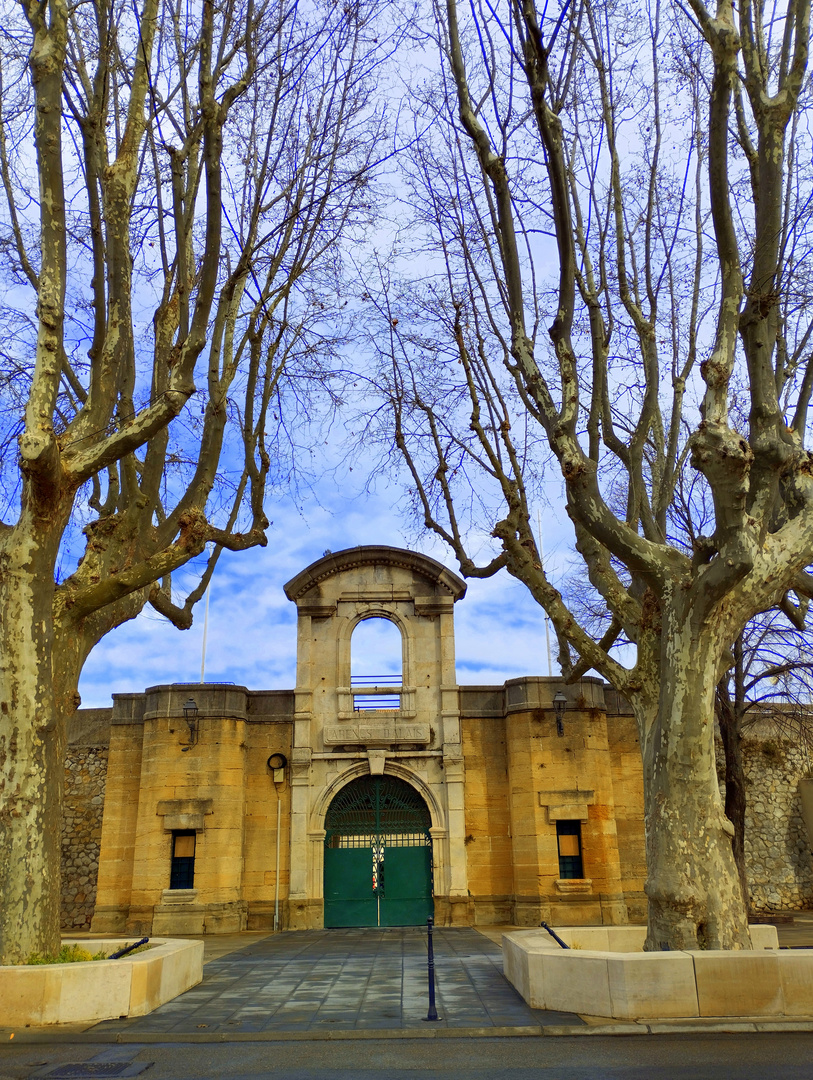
<point x="215" y="161"/>
<point x="693" y="886"/>
<point x="32" y="744"/>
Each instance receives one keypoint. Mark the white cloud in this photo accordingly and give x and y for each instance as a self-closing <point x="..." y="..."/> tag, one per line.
<point x="500" y="630"/>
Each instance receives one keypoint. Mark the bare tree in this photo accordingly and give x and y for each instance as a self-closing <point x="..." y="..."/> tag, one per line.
<point x="768" y="687"/>
<point x="632" y="176"/>
<point x="769" y="684"/>
<point x="179" y="182"/>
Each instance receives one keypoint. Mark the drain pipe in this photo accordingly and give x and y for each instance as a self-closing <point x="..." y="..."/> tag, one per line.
<point x="276" y="763"/>
<point x="276" y="876"/>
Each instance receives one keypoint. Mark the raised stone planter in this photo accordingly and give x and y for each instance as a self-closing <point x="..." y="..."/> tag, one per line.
<point x="606" y="973"/>
<point x="100" y="989"/>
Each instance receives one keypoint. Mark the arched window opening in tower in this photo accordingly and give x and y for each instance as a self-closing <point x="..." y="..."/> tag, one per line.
<point x="376" y="665"/>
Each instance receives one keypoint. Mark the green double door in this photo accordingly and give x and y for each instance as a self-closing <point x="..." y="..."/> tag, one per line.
<point x="381" y="885"/>
<point x="378" y="856"/>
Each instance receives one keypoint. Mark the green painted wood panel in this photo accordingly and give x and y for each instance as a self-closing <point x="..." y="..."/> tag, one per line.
<point x="349" y="896"/>
<point x="407" y="895"/>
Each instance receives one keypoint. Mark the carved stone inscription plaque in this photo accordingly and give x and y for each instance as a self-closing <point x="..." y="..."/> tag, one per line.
<point x="362" y="734"/>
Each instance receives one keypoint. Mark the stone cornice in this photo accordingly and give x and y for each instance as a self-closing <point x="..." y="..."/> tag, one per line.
<point x="374" y="555"/>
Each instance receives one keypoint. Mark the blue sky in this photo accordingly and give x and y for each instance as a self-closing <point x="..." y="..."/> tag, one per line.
<point x="500" y="631"/>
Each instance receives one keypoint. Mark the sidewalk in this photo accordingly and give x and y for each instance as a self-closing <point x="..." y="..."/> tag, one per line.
<point x="797" y="934"/>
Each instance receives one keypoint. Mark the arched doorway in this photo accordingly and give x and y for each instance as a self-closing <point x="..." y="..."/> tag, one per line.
<point x="378" y="855"/>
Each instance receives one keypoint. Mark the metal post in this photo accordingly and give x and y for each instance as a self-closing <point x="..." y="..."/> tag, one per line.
<point x="554" y="935"/>
<point x="433" y="1012"/>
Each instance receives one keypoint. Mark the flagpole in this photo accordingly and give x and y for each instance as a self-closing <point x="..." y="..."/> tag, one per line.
<point x="542" y="561"/>
<point x="206" y="631"/>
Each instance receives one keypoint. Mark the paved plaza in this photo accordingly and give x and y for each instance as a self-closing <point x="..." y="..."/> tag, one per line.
<point x="320" y="980"/>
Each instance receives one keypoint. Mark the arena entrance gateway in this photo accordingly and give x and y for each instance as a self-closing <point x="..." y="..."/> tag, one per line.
<point x="378" y="855"/>
<point x="525" y="824"/>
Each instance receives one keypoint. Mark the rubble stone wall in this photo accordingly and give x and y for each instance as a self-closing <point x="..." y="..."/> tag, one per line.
<point x="777" y="848"/>
<point x="85" y="776"/>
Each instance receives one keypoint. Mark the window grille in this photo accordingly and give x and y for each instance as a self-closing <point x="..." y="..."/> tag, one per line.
<point x="336" y="840"/>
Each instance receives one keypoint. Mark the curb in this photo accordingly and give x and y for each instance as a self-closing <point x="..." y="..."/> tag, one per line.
<point x="663" y="1027"/>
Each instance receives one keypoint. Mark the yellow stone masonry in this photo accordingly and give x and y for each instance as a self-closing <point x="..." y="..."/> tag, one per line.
<point x="495" y="776"/>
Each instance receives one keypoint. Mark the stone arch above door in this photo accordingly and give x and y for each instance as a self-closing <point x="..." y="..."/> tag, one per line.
<point x="399" y="770"/>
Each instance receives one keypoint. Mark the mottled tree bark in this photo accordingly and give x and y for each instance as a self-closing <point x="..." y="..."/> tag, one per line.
<point x="32" y="747"/>
<point x="695" y="898"/>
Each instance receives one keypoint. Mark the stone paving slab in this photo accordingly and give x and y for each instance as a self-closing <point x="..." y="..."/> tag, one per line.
<point x="347" y="980"/>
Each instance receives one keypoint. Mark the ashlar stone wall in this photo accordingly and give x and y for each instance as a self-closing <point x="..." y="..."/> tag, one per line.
<point x="85" y="776"/>
<point x="520" y="778"/>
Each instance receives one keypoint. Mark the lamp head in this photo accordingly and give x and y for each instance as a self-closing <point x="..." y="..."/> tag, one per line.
<point x="190" y="714"/>
<point x="559" y="706"/>
<point x="276" y="763"/>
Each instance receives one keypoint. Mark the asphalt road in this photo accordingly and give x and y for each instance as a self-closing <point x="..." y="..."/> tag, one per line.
<point x="763" y="1056"/>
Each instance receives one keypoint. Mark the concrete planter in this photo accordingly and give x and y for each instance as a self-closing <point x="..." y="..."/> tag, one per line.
<point x="99" y="989"/>
<point x="605" y="973"/>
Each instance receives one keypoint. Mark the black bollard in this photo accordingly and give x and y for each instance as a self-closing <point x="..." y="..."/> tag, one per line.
<point x="554" y="936"/>
<point x="433" y="1012"/>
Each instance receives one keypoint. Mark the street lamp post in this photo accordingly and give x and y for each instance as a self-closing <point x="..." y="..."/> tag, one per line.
<point x="277" y="763"/>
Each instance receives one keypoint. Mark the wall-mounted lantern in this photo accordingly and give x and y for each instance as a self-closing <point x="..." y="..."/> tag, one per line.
<point x="190" y="715"/>
<point x="559" y="707"/>
<point x="276" y="763"/>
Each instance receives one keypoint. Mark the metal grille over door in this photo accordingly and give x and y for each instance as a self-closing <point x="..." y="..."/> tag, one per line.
<point x="378" y="855"/>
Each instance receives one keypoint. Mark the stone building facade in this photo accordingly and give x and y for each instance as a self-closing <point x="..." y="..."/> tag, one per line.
<point x="367" y="802"/>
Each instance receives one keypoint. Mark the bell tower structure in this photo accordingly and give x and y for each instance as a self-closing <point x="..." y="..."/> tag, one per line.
<point x="407" y="728"/>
